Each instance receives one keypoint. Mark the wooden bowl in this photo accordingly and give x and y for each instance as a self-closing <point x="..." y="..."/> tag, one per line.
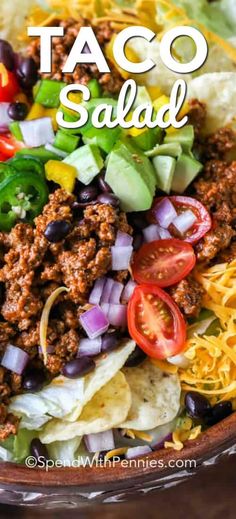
<point x="106" y="481"/>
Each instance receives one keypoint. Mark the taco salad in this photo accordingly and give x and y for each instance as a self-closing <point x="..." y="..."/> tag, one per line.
<point x="117" y="246"/>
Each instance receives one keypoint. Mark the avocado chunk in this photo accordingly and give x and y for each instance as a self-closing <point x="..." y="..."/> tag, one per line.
<point x="131" y="176"/>
<point x="165" y="168"/>
<point x="187" y="168"/>
<point x="184" y="136"/>
<point x="88" y="162"/>
<point x="173" y="149"/>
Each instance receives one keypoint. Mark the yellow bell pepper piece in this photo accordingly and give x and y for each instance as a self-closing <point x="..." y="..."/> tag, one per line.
<point x="37" y="111"/>
<point x="75" y="97"/>
<point x="154" y="92"/>
<point x="61" y="173"/>
<point x="160" y="102"/>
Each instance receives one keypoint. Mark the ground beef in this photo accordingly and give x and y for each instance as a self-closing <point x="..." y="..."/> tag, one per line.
<point x="197" y="116"/>
<point x="188" y="296"/>
<point x="216" y="190"/>
<point x="10" y="426"/>
<point x="32" y="268"/>
<point x="110" y="82"/>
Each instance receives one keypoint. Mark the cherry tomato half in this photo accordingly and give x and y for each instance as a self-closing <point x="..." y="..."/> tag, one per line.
<point x="182" y="203"/>
<point x="163" y="262"/>
<point x="11" y="88"/>
<point x="155" y="322"/>
<point x="9" y="146"/>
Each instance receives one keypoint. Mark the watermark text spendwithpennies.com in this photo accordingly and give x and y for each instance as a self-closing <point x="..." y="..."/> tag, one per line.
<point x="47" y="464"/>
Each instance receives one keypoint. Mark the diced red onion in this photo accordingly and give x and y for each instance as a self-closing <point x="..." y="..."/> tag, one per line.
<point x="164" y="233"/>
<point x="151" y="233"/>
<point x="161" y="443"/>
<point x="184" y="221"/>
<point x="128" y="290"/>
<point x="50" y="348"/>
<point x="55" y="150"/>
<point x="5" y="120"/>
<point x="94" y="322"/>
<point x="121" y="257"/>
<point x="89" y="347"/>
<point x="165" y="213"/>
<point x="98" y="442"/>
<point x="105" y="308"/>
<point x="134" y="452"/>
<point x="37" y="132"/>
<point x="179" y="360"/>
<point x="123" y="239"/>
<point x="15" y="359"/>
<point x="107" y="290"/>
<point x="116" y="292"/>
<point x="117" y="315"/>
<point x="96" y="294"/>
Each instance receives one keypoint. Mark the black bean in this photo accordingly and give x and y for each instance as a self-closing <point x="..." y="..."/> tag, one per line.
<point x="138" y="220"/>
<point x="110" y="341"/>
<point x="33" y="380"/>
<point x="219" y="412"/>
<point x="138" y="241"/>
<point x="78" y="367"/>
<point x="27" y="72"/>
<point x="57" y="230"/>
<point x="109" y="198"/>
<point x="38" y="450"/>
<point x="17" y="111"/>
<point x="197" y="406"/>
<point x="7" y="55"/>
<point x="104" y="186"/>
<point x="88" y="194"/>
<point x="136" y="357"/>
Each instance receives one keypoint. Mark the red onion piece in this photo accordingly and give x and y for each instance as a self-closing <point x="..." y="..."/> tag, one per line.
<point x="5" y="120"/>
<point x="15" y="359"/>
<point x="164" y="233"/>
<point x="55" y="150"/>
<point x="121" y="257"/>
<point x="161" y="443"/>
<point x="165" y="213"/>
<point x="116" y="292"/>
<point x="117" y="315"/>
<point x="128" y="290"/>
<point x="134" y="452"/>
<point x="98" y="442"/>
<point x="151" y="233"/>
<point x="123" y="239"/>
<point x="184" y="221"/>
<point x="94" y="322"/>
<point x="89" y="347"/>
<point x="107" y="290"/>
<point x="96" y="294"/>
<point x="37" y="132"/>
<point x="50" y="348"/>
<point x="105" y="308"/>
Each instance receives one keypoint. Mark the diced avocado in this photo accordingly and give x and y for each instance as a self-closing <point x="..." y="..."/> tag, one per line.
<point x="15" y="130"/>
<point x="165" y="168"/>
<point x="131" y="177"/>
<point x="39" y="153"/>
<point x="88" y="162"/>
<point x="187" y="168"/>
<point x="66" y="142"/>
<point x="184" y="136"/>
<point x="173" y="149"/>
<point x="104" y="138"/>
<point x="147" y="140"/>
<point x="48" y="93"/>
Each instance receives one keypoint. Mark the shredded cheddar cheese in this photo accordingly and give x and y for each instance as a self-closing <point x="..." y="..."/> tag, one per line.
<point x="212" y="360"/>
<point x="116" y="452"/>
<point x="45" y="317"/>
<point x="141" y="435"/>
<point x="185" y="431"/>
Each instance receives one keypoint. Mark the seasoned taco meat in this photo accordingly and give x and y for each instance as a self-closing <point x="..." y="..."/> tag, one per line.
<point x="33" y="267"/>
<point x="110" y="82"/>
<point x="188" y="295"/>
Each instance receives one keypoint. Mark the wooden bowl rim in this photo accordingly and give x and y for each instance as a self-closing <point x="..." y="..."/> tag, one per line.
<point x="210" y="443"/>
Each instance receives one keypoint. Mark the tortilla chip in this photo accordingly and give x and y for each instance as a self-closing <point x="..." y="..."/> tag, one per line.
<point x="155" y="396"/>
<point x="106" y="410"/>
<point x="218" y="92"/>
<point x="106" y="367"/>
